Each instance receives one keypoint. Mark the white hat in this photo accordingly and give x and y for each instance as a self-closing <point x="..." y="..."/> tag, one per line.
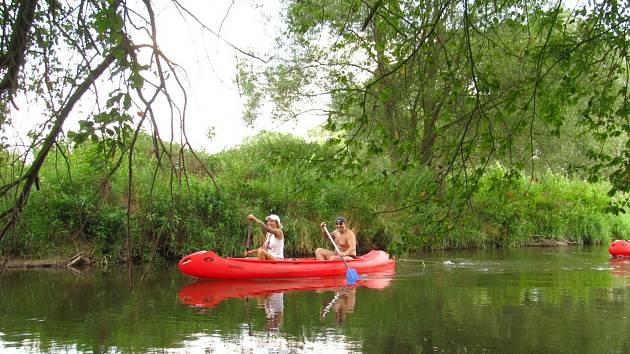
<point x="273" y="217"/>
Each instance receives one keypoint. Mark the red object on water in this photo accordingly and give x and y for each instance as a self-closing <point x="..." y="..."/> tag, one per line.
<point x="619" y="248"/>
<point x="208" y="293"/>
<point x="208" y="265"/>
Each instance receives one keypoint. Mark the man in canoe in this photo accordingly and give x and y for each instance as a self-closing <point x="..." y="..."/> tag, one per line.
<point x="345" y="239"/>
<point x="273" y="248"/>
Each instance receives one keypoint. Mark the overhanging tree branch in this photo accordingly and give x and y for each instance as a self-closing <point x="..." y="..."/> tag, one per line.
<point x="31" y="174"/>
<point x="13" y="59"/>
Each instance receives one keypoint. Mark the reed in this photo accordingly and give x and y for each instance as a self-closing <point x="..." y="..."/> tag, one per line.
<point x="174" y="213"/>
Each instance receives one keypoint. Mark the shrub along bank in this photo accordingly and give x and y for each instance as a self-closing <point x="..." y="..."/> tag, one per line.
<point x="175" y="211"/>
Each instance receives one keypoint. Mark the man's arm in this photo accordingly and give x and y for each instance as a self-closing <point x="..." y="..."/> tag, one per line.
<point x="324" y="234"/>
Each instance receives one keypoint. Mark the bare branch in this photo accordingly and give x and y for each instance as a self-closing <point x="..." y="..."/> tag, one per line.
<point x="31" y="174"/>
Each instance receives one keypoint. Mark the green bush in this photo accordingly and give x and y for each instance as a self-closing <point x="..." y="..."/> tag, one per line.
<point x="174" y="211"/>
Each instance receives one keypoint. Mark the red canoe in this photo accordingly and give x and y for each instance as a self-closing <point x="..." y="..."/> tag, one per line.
<point x="208" y="265"/>
<point x="208" y="293"/>
<point x="619" y="248"/>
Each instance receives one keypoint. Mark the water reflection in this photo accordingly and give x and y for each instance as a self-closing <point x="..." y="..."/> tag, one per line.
<point x="269" y="294"/>
<point x="342" y="303"/>
<point x="620" y="270"/>
<point x="620" y="266"/>
<point x="274" y="298"/>
<point x="209" y="293"/>
<point x="274" y="308"/>
<point x="569" y="300"/>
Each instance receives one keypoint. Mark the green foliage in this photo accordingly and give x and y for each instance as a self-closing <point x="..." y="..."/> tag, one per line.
<point x="520" y="211"/>
<point x="528" y="84"/>
<point x="80" y="58"/>
<point x="424" y="97"/>
<point x="83" y="205"/>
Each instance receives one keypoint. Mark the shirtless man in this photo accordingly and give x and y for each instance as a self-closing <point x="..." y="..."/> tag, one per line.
<point x="343" y="237"/>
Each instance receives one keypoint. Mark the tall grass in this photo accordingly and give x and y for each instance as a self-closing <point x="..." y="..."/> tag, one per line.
<point x="174" y="212"/>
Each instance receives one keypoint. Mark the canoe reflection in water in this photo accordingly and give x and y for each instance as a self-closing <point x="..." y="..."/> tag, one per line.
<point x="620" y="266"/>
<point x="270" y="293"/>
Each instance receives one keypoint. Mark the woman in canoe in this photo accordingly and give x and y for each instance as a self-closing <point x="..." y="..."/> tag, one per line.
<point x="273" y="248"/>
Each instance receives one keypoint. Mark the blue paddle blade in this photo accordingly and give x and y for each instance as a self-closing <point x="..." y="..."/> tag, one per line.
<point x="352" y="276"/>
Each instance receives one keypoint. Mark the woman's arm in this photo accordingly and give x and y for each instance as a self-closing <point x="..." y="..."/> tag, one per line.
<point x="260" y="223"/>
<point x="263" y="225"/>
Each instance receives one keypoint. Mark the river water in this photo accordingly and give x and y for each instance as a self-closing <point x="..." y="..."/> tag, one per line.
<point x="533" y="300"/>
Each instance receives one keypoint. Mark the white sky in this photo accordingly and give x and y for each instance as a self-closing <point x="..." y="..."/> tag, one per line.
<point x="210" y="63"/>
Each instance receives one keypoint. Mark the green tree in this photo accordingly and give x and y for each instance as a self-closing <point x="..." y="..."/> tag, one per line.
<point x="95" y="60"/>
<point x="457" y="85"/>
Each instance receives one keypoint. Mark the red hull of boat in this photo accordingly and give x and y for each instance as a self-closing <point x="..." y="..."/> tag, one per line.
<point x="208" y="265"/>
<point x="619" y="248"/>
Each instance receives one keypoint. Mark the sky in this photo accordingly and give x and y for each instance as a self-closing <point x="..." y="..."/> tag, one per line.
<point x="210" y="63"/>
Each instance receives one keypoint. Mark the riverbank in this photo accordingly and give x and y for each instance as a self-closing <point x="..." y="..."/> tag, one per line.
<point x="77" y="261"/>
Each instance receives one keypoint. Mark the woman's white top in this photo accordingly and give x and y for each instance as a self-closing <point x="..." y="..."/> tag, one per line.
<point x="275" y="246"/>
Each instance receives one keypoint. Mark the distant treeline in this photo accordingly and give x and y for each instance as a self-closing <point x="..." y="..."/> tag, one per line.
<point x="84" y="203"/>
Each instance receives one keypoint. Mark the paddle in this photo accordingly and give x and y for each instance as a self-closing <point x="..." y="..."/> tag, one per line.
<point x="329" y="305"/>
<point x="248" y="243"/>
<point x="351" y="274"/>
<point x="249" y="236"/>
